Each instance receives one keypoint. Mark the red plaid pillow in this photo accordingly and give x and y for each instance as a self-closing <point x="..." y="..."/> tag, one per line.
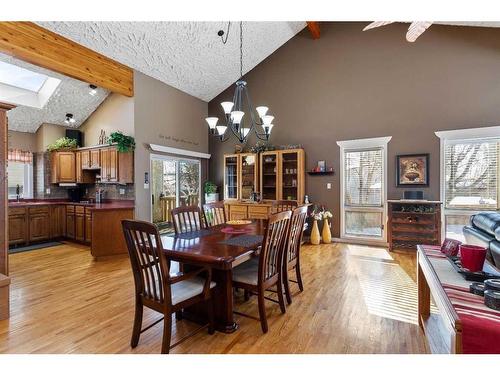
<point x="450" y="247"/>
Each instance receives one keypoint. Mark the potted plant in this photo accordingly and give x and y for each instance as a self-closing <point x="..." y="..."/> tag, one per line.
<point x="63" y="143"/>
<point x="124" y="143"/>
<point x="211" y="194"/>
<point x="327" y="234"/>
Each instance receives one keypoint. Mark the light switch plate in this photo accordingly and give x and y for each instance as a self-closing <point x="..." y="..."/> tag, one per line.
<point x="122" y="191"/>
<point x="47" y="191"/>
<point x="329" y="185"/>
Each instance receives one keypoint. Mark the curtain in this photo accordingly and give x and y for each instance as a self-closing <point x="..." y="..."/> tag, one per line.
<point x="20" y="156"/>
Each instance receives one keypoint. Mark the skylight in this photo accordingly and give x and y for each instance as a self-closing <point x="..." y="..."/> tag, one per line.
<point x="13" y="75"/>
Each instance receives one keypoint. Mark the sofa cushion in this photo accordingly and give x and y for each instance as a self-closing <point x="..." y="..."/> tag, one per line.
<point x="495" y="252"/>
<point x="487" y="222"/>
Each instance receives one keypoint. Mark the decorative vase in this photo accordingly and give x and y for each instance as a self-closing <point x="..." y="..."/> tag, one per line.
<point x="315" y="238"/>
<point x="327" y="235"/>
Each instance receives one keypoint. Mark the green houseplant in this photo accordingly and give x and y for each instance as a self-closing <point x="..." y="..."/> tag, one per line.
<point x="211" y="194"/>
<point x="124" y="143"/>
<point x="63" y="143"/>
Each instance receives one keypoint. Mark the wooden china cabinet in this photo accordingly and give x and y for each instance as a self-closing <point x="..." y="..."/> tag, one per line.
<point x="277" y="175"/>
<point x="282" y="175"/>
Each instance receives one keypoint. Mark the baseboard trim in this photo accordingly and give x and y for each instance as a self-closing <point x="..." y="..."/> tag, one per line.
<point x="354" y="241"/>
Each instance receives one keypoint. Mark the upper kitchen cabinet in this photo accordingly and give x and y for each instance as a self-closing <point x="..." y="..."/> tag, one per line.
<point x="116" y="167"/>
<point x="63" y="166"/>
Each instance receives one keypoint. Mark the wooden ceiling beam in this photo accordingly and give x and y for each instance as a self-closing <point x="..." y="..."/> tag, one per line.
<point x="314" y="29"/>
<point x="34" y="44"/>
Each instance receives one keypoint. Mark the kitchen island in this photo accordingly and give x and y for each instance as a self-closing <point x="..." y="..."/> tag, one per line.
<point x="96" y="224"/>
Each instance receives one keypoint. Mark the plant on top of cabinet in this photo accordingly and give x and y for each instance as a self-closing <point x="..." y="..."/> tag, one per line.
<point x="124" y="143"/>
<point x="63" y="143"/>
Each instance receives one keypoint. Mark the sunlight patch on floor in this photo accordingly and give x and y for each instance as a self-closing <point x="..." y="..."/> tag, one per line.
<point x="387" y="290"/>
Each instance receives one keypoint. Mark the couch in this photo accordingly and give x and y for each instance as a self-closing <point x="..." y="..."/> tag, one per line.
<point x="484" y="230"/>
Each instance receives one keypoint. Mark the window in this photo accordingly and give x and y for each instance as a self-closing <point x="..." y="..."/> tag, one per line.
<point x="363" y="174"/>
<point x="20" y="174"/>
<point x="469" y="175"/>
<point x="16" y="76"/>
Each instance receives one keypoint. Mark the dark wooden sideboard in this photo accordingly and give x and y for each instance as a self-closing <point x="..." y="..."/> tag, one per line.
<point x="413" y="222"/>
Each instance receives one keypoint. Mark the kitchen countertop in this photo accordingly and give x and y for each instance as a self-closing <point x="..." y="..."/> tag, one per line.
<point x="109" y="205"/>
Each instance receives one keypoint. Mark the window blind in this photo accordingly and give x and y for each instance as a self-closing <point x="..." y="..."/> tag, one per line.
<point x="363" y="178"/>
<point x="471" y="174"/>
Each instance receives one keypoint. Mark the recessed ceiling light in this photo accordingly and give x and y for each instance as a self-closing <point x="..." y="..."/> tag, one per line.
<point x="69" y="119"/>
<point x="93" y="90"/>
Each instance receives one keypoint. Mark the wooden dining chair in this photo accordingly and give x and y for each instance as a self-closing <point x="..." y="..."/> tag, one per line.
<point x="215" y="213"/>
<point x="292" y="250"/>
<point x="261" y="273"/>
<point x="157" y="289"/>
<point x="187" y="219"/>
<point x="283" y="205"/>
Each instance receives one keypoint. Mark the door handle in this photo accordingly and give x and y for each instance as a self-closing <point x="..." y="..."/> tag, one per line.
<point x="152" y="199"/>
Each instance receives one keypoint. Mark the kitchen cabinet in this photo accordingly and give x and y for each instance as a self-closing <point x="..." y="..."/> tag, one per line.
<point x="85" y="158"/>
<point x="80" y="223"/>
<point x="63" y="166"/>
<point x="57" y="221"/>
<point x="109" y="164"/>
<point x="70" y="221"/>
<point x="95" y="159"/>
<point x="88" y="226"/>
<point x="18" y="229"/>
<point x="39" y="228"/>
<point x="83" y="174"/>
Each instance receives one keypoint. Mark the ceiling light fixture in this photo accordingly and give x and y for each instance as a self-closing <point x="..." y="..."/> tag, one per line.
<point x="235" y="115"/>
<point x="93" y="90"/>
<point x="69" y="119"/>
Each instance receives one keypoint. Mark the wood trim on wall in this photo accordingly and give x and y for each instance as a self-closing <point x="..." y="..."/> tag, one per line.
<point x="4" y="232"/>
<point x="36" y="45"/>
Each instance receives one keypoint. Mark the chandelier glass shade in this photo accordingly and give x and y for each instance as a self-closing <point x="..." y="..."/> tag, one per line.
<point x="241" y="118"/>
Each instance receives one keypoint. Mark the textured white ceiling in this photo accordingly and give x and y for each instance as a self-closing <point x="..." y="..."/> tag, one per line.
<point x="189" y="56"/>
<point x="71" y="96"/>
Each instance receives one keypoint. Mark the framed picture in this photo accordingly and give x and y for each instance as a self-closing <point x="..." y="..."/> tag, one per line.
<point x="321" y="165"/>
<point x="412" y="170"/>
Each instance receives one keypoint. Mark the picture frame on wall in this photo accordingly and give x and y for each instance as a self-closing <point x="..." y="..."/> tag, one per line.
<point x="412" y="170"/>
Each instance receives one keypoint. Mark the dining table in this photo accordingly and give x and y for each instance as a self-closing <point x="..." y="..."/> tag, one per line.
<point x="222" y="248"/>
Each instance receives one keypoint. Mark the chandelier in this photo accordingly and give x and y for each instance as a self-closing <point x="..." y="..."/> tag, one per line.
<point x="239" y="123"/>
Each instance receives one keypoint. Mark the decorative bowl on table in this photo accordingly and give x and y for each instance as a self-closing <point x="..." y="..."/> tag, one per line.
<point x="238" y="223"/>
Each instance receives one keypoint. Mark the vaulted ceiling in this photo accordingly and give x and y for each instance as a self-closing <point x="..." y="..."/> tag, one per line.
<point x="189" y="56"/>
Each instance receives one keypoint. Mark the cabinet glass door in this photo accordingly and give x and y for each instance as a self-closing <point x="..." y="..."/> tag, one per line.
<point x="231" y="177"/>
<point x="269" y="164"/>
<point x="248" y="175"/>
<point x="289" y="173"/>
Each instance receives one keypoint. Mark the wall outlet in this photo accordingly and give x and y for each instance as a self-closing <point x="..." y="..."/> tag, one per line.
<point x="329" y="186"/>
<point x="47" y="191"/>
<point x="122" y="191"/>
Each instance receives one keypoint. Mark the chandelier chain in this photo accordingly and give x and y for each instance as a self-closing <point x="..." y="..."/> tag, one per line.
<point x="241" y="48"/>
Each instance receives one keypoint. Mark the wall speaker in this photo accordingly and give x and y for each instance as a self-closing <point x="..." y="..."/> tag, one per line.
<point x="413" y="194"/>
<point x="75" y="134"/>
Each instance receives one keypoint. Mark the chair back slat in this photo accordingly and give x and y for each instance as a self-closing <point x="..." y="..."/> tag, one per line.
<point x="215" y="213"/>
<point x="149" y="265"/>
<point x="187" y="219"/>
<point x="283" y="205"/>
<point x="295" y="232"/>
<point x="271" y="256"/>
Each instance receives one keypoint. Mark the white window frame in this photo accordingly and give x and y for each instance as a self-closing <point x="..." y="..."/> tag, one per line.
<point x="455" y="136"/>
<point x="173" y="158"/>
<point x="28" y="181"/>
<point x="359" y="145"/>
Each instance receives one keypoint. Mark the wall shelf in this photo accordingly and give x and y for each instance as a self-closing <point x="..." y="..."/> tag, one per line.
<point x="325" y="173"/>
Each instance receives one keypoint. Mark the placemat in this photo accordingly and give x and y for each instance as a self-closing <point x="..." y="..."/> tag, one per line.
<point x="245" y="240"/>
<point x="192" y="235"/>
<point x="231" y="230"/>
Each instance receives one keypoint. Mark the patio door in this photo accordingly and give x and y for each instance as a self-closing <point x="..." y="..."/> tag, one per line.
<point x="174" y="182"/>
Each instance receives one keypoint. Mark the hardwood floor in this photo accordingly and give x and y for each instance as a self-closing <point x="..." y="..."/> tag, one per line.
<point x="357" y="299"/>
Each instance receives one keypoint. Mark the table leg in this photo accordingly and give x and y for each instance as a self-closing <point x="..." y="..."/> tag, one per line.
<point x="222" y="296"/>
<point x="424" y="296"/>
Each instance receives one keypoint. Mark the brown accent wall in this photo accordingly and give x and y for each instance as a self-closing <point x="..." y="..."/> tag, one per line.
<point x="351" y="84"/>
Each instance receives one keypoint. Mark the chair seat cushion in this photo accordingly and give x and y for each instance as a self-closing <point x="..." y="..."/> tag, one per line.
<point x="186" y="289"/>
<point x="247" y="272"/>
